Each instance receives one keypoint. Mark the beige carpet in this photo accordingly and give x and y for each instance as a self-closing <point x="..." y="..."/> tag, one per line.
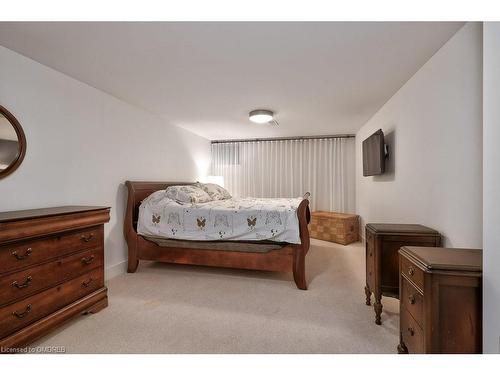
<point x="185" y="309"/>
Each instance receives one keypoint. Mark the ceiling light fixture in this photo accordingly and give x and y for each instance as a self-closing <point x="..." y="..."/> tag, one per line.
<point x="262" y="116"/>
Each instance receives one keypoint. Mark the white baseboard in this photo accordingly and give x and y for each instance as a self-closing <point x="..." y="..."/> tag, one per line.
<point x="115" y="270"/>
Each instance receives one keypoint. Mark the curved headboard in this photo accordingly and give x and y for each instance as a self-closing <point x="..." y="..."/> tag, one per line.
<point x="137" y="192"/>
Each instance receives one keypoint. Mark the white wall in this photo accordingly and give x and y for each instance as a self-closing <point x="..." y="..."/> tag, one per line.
<point x="433" y="126"/>
<point x="491" y="186"/>
<point x="83" y="144"/>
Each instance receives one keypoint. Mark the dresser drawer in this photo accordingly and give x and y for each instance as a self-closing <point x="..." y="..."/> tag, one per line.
<point x="412" y="300"/>
<point x="411" y="332"/>
<point x="22" y="283"/>
<point x="412" y="272"/>
<point x="20" y="314"/>
<point x="23" y="254"/>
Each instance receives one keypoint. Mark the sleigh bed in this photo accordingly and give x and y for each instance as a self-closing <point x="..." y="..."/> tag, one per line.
<point x="254" y="255"/>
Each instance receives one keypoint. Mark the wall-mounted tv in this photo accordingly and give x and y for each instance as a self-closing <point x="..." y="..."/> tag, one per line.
<point x="374" y="154"/>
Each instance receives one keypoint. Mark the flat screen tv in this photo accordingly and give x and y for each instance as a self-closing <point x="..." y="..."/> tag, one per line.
<point x="374" y="154"/>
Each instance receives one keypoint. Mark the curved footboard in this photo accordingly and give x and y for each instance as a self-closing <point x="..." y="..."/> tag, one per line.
<point x="129" y="230"/>
<point x="300" y="251"/>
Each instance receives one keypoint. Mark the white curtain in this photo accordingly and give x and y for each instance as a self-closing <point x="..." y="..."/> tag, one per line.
<point x="289" y="168"/>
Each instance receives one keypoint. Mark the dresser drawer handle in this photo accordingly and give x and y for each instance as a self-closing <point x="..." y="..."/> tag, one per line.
<point x="411" y="271"/>
<point x="26" y="283"/>
<point x="26" y="254"/>
<point x="21" y="315"/>
<point x="411" y="331"/>
<point x="87" y="238"/>
<point x="411" y="299"/>
<point x="88" y="260"/>
<point x="85" y="284"/>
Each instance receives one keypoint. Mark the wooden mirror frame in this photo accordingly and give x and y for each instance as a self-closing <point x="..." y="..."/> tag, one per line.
<point x="22" y="143"/>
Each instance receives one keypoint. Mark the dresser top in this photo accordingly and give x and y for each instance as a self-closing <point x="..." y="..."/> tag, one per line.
<point x="440" y="258"/>
<point x="401" y="228"/>
<point x="45" y="212"/>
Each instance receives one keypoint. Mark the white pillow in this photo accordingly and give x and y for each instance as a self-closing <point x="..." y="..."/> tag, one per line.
<point x="216" y="192"/>
<point x="187" y="194"/>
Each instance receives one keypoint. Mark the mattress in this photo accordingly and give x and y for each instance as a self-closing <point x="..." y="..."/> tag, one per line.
<point x="235" y="219"/>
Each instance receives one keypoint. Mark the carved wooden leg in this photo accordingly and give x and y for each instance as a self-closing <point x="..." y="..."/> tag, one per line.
<point x="368" y="294"/>
<point x="377" y="306"/>
<point x="299" y="268"/>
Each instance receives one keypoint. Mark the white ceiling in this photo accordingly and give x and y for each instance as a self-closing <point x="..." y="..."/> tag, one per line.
<point x="319" y="78"/>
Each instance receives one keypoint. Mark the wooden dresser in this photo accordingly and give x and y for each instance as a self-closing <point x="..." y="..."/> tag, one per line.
<point x="382" y="260"/>
<point x="440" y="300"/>
<point x="51" y="269"/>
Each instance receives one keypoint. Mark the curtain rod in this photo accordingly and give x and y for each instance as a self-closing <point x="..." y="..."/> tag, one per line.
<point x="284" y="138"/>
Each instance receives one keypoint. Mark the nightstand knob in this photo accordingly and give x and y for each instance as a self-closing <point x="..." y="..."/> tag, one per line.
<point x="411" y="271"/>
<point x="411" y="331"/>
<point x="411" y="299"/>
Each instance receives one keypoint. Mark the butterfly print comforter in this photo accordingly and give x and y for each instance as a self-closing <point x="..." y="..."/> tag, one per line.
<point x="235" y="219"/>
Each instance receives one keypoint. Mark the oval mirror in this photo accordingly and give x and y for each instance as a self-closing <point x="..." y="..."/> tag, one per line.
<point x="12" y="143"/>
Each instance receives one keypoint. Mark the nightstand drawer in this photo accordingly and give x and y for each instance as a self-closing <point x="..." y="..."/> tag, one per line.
<point x="412" y="334"/>
<point x="412" y="300"/>
<point x="412" y="272"/>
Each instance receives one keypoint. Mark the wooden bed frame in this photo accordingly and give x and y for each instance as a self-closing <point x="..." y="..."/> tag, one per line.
<point x="290" y="257"/>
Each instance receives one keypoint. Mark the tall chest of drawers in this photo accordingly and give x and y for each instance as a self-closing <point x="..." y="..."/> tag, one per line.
<point x="440" y="300"/>
<point x="51" y="269"/>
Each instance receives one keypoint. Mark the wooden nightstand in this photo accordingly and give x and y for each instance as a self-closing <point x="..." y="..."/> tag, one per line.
<point x="440" y="300"/>
<point x="382" y="260"/>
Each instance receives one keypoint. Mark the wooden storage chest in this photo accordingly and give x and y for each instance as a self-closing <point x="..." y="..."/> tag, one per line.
<point x="335" y="227"/>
